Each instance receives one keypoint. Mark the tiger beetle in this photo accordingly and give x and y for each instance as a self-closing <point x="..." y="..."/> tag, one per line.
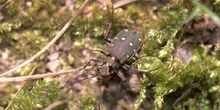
<point x="125" y="48"/>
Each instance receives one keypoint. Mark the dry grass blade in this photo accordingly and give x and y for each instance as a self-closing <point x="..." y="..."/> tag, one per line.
<point x="24" y="78"/>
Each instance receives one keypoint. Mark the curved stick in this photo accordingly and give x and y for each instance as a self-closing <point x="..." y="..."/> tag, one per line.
<point x="39" y="76"/>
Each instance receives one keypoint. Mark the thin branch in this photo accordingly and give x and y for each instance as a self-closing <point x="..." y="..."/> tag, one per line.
<point x="50" y="43"/>
<point x="39" y="76"/>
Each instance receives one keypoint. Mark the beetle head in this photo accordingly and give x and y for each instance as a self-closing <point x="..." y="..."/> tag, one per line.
<point x="104" y="67"/>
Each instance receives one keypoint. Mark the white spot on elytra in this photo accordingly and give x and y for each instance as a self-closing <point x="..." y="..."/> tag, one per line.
<point x="112" y="45"/>
<point x="133" y="58"/>
<point x="139" y="39"/>
<point x="123" y="53"/>
<point x="131" y="44"/>
<point x="122" y="38"/>
<point x="126" y="30"/>
<point x="127" y="56"/>
<point x="134" y="50"/>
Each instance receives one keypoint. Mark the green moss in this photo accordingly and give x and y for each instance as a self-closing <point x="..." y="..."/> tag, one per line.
<point x="40" y="96"/>
<point x="25" y="29"/>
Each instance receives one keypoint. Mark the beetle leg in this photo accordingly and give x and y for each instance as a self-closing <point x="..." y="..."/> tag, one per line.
<point x="145" y="45"/>
<point x="142" y="49"/>
<point x="121" y="75"/>
<point x="102" y="52"/>
<point x="138" y="54"/>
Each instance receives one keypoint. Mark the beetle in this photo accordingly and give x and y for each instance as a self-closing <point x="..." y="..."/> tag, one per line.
<point x="122" y="50"/>
<point x="125" y="48"/>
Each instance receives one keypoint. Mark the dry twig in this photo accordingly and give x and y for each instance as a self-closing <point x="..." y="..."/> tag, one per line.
<point x="24" y="78"/>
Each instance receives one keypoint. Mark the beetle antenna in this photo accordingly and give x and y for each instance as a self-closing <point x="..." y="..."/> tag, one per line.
<point x="80" y="80"/>
<point x="110" y="24"/>
<point x="99" y="98"/>
<point x="112" y="11"/>
<point x="91" y="60"/>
